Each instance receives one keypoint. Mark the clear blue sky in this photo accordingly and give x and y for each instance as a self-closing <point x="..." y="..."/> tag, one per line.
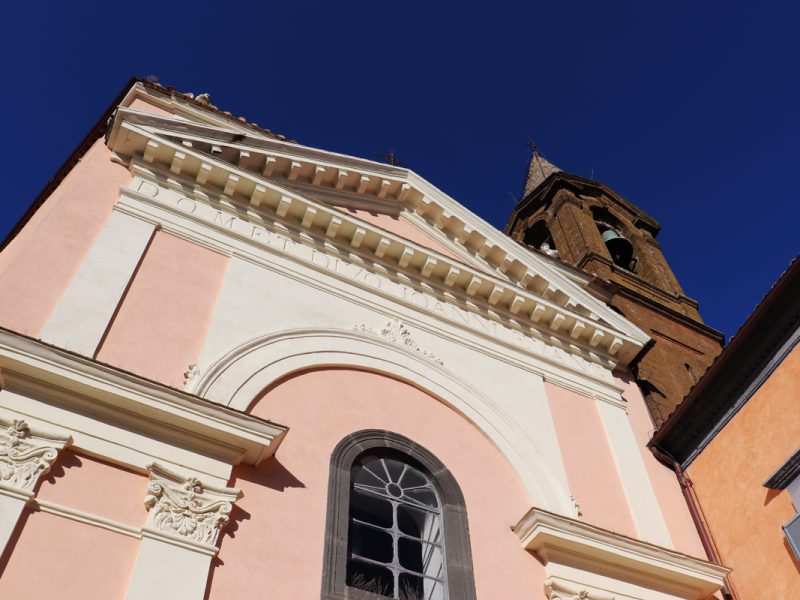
<point x="689" y="110"/>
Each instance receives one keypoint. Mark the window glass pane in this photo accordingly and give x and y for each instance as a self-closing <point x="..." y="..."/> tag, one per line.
<point x="366" y="476"/>
<point x="420" y="557"/>
<point x="395" y="536"/>
<point x="413" y="478"/>
<point x="370" y="578"/>
<point x="375" y="468"/>
<point x="418" y="523"/>
<point x="371" y="543"/>
<point x="371" y="509"/>
<point x="417" y="588"/>
<point x="395" y="468"/>
<point x="425" y="496"/>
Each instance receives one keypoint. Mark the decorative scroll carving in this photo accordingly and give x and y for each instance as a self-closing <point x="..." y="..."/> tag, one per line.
<point x="557" y="589"/>
<point x="25" y="457"/>
<point x="398" y="332"/>
<point x="190" y="374"/>
<point x="577" y="505"/>
<point x="186" y="509"/>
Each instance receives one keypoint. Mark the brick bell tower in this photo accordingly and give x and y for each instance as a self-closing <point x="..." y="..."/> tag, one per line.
<point x="592" y="228"/>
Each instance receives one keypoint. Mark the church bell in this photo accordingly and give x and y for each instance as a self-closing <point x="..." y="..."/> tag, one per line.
<point x="621" y="249"/>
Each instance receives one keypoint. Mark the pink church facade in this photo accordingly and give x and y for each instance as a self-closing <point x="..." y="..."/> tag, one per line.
<point x="234" y="366"/>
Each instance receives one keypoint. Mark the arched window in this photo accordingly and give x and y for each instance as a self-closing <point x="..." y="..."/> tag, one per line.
<point x="396" y="524"/>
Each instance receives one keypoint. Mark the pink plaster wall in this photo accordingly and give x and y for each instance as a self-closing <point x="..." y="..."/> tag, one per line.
<point x="275" y="547"/>
<point x="402" y="228"/>
<point x="591" y="471"/>
<point x="164" y="317"/>
<point x="668" y="492"/>
<point x="55" y="557"/>
<point x="39" y="263"/>
<point x="87" y="484"/>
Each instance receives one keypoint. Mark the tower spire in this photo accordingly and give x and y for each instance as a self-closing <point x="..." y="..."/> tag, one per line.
<point x="539" y="169"/>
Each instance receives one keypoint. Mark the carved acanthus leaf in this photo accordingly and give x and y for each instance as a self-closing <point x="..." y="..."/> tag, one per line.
<point x="25" y="457"/>
<point x="187" y="509"/>
<point x="397" y="332"/>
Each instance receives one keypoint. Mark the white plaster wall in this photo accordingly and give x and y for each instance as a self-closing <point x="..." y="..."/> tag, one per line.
<point x="165" y="570"/>
<point x="255" y="301"/>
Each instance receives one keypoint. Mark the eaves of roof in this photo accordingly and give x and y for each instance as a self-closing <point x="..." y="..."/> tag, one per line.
<point x="757" y="348"/>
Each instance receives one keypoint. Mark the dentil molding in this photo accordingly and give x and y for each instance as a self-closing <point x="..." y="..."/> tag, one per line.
<point x="26" y="456"/>
<point x="184" y="511"/>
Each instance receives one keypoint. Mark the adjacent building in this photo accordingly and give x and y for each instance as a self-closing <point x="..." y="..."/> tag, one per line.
<point x="735" y="441"/>
<point x="236" y="366"/>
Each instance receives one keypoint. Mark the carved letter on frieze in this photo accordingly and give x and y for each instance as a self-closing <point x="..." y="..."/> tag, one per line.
<point x="26" y="456"/>
<point x="185" y="509"/>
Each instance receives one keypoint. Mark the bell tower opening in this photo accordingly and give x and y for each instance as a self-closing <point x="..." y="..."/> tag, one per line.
<point x="539" y="237"/>
<point x="618" y="246"/>
<point x="614" y="241"/>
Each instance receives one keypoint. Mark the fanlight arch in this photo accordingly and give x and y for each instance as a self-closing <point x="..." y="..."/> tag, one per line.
<point x="238" y="377"/>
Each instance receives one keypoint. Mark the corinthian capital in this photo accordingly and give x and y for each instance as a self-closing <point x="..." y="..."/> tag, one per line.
<point x="25" y="456"/>
<point x="186" y="511"/>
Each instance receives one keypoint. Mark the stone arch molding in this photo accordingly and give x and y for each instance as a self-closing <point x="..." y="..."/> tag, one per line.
<point x="237" y="377"/>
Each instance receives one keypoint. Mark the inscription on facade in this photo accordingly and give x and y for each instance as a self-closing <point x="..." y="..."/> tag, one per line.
<point x="531" y="341"/>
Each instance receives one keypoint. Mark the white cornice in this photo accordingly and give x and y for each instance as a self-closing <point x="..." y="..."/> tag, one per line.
<point x="563" y="540"/>
<point x="439" y="209"/>
<point x="537" y="302"/>
<point x="107" y="395"/>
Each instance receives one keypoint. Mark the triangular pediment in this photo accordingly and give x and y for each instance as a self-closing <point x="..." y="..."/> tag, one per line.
<point x="384" y="210"/>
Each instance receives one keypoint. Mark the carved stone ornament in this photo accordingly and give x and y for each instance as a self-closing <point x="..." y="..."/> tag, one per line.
<point x="557" y="589"/>
<point x="576" y="505"/>
<point x="26" y="456"/>
<point x="397" y="332"/>
<point x="190" y="374"/>
<point x="185" y="509"/>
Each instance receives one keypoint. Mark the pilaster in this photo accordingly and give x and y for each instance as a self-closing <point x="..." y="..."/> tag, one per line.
<point x="86" y="308"/>
<point x="25" y="457"/>
<point x="184" y="521"/>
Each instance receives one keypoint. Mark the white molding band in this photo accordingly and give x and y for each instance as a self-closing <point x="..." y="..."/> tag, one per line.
<point x="25" y="456"/>
<point x="603" y="565"/>
<point x="328" y="173"/>
<point x="184" y="521"/>
<point x="321" y="266"/>
<point x="509" y="278"/>
<point x="82" y="315"/>
<point x="80" y="516"/>
<point x="126" y="419"/>
<point x="240" y="375"/>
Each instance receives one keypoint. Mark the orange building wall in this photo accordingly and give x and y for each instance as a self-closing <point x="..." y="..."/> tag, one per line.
<point x="744" y="516"/>
<point x="274" y="546"/>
